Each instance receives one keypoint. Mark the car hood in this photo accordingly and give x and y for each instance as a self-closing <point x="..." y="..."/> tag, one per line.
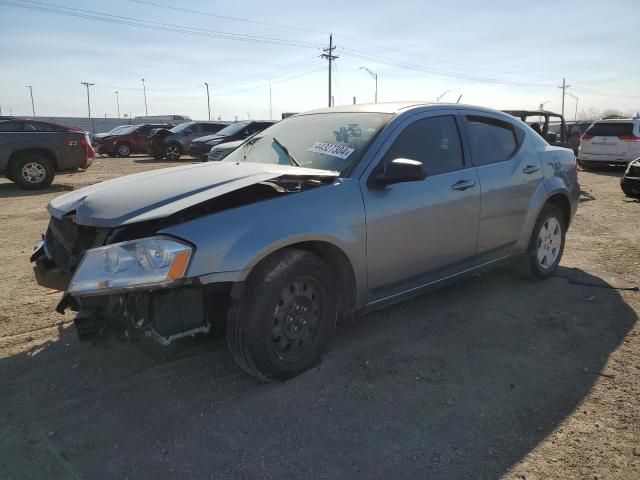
<point x="160" y="193"/>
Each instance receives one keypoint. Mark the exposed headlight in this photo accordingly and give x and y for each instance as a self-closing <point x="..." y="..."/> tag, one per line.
<point x="144" y="262"/>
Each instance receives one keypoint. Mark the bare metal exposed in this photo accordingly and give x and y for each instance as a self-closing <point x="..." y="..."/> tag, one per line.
<point x="324" y="214"/>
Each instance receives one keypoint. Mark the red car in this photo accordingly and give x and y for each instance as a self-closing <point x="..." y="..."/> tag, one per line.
<point x="129" y="140"/>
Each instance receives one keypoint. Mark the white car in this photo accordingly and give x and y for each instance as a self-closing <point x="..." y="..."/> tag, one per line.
<point x="610" y="142"/>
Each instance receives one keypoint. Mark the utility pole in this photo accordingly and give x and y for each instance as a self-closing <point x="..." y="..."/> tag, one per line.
<point x="144" y="90"/>
<point x="270" y="104"/>
<point x="354" y="99"/>
<point x="328" y="55"/>
<point x="33" y="108"/>
<point x="375" y="77"/>
<point x="208" y="102"/>
<point x="564" y="91"/>
<point x="87" y="84"/>
<point x="118" y="103"/>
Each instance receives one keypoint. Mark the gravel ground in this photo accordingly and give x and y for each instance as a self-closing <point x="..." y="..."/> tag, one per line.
<point x="493" y="377"/>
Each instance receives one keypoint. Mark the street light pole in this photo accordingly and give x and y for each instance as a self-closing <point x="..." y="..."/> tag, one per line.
<point x="118" y="103"/>
<point x="33" y="108"/>
<point x="87" y="84"/>
<point x="575" y="116"/>
<point x="375" y="77"/>
<point x="144" y="90"/>
<point x="208" y="102"/>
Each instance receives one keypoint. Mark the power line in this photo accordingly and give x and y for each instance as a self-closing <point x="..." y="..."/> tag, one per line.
<point x="168" y="27"/>
<point x="282" y="71"/>
<point x="226" y="17"/>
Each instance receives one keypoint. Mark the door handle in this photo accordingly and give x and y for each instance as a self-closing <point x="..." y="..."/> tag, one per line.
<point x="529" y="169"/>
<point x="463" y="184"/>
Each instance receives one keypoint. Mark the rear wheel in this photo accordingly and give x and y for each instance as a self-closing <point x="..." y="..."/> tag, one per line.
<point x="32" y="171"/>
<point x="283" y="321"/>
<point x="123" y="149"/>
<point x="546" y="245"/>
<point x="173" y="151"/>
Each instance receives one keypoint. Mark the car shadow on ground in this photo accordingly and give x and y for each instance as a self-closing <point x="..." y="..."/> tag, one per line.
<point x="462" y="382"/>
<point x="11" y="189"/>
<point x="606" y="170"/>
<point x="185" y="159"/>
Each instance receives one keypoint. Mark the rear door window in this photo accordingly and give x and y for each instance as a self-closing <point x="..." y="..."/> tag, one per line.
<point x="38" y="127"/>
<point x="434" y="141"/>
<point x="10" y="127"/>
<point x="492" y="140"/>
<point x="610" y="129"/>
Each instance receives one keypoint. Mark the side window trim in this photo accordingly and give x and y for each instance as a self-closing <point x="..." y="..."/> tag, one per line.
<point x="519" y="142"/>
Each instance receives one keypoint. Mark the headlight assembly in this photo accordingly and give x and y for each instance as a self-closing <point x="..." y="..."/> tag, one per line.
<point x="145" y="262"/>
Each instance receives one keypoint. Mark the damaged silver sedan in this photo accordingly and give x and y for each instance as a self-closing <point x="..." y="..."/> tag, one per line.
<point x="321" y="215"/>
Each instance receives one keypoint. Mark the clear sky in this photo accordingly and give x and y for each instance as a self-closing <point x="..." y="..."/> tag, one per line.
<point x="501" y="54"/>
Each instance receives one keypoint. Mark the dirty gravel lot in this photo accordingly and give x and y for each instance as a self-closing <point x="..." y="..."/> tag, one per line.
<point x="493" y="377"/>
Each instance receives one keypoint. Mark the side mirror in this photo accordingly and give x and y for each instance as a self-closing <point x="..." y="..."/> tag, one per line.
<point x="188" y="131"/>
<point x="401" y="170"/>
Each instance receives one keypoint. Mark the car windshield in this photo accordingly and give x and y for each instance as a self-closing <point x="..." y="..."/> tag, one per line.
<point x="181" y="127"/>
<point x="233" y="128"/>
<point x="117" y="129"/>
<point x="326" y="141"/>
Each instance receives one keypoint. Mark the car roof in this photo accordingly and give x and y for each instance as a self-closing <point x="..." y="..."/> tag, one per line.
<point x="617" y="120"/>
<point x="400" y="107"/>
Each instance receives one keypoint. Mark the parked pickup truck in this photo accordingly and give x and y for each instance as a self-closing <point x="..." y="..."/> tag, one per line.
<point x="31" y="151"/>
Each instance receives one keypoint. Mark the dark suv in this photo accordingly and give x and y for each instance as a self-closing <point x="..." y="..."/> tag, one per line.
<point x="173" y="143"/>
<point x="129" y="140"/>
<point x="200" y="147"/>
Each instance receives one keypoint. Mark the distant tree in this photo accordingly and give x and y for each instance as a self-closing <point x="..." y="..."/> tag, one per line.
<point x="589" y="114"/>
<point x="612" y="113"/>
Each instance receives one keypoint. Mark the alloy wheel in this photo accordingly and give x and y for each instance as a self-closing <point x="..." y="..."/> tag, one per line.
<point x="549" y="242"/>
<point x="33" y="173"/>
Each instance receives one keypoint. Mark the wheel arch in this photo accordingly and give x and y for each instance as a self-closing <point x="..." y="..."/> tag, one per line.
<point x="338" y="261"/>
<point x="45" y="152"/>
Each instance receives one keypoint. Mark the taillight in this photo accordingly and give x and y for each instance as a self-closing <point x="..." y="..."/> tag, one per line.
<point x="86" y="145"/>
<point x="630" y="137"/>
<point x="586" y="136"/>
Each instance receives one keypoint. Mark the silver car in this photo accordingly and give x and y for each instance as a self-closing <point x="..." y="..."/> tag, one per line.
<point x="324" y="214"/>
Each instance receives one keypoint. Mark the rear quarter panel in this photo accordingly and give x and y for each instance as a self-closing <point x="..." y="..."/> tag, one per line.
<point x="559" y="177"/>
<point x="63" y="146"/>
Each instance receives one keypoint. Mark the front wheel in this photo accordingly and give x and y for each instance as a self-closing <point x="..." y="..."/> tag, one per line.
<point x="283" y="321"/>
<point x="173" y="152"/>
<point x="629" y="190"/>
<point x="546" y="245"/>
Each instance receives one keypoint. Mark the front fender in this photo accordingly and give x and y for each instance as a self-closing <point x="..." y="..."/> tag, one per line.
<point x="230" y="243"/>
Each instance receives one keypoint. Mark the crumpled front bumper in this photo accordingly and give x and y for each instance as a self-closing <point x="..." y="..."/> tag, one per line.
<point x="47" y="273"/>
<point x="163" y="313"/>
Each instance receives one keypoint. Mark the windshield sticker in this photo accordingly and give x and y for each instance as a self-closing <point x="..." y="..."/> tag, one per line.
<point x="331" y="149"/>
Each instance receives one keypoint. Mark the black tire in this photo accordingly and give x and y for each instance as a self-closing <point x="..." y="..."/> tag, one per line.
<point x="123" y="150"/>
<point x="530" y="265"/>
<point x="173" y="151"/>
<point x="629" y="191"/>
<point x="283" y="321"/>
<point x="32" y="171"/>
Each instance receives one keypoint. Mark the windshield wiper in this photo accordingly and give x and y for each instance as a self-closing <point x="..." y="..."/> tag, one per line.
<point x="248" y="146"/>
<point x="286" y="151"/>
